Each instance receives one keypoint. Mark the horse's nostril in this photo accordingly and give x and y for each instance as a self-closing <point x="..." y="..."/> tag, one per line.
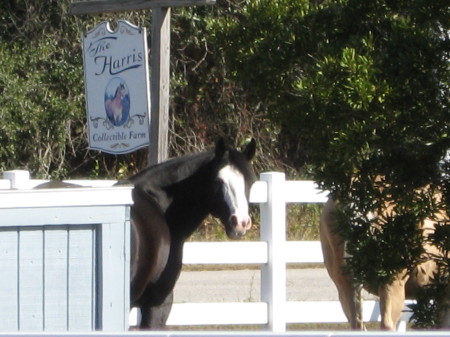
<point x="234" y="220"/>
<point x="242" y="224"/>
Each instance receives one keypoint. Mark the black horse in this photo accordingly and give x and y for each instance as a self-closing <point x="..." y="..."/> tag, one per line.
<point x="171" y="200"/>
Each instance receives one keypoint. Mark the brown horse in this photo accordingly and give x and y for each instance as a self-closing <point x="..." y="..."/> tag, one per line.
<point x="114" y="106"/>
<point x="392" y="296"/>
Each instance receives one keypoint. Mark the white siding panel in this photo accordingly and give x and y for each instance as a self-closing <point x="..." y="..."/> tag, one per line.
<point x="9" y="280"/>
<point x="114" y="296"/>
<point x="31" y="286"/>
<point x="81" y="279"/>
<point x="55" y="278"/>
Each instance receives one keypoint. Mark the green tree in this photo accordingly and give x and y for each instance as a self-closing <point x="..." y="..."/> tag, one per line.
<point x="362" y="89"/>
<point x="206" y="103"/>
<point x="37" y="111"/>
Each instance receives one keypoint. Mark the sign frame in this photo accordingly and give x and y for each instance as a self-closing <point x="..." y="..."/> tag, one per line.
<point x="117" y="87"/>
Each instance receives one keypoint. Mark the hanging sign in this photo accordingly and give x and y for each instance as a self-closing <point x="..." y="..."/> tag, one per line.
<point x="117" y="88"/>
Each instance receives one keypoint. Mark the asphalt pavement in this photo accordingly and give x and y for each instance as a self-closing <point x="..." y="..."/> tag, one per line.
<point x="303" y="284"/>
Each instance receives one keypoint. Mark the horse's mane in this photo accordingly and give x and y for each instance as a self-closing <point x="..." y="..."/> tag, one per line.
<point x="171" y="171"/>
<point x="156" y="181"/>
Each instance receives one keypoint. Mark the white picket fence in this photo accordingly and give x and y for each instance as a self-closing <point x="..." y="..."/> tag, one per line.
<point x="272" y="192"/>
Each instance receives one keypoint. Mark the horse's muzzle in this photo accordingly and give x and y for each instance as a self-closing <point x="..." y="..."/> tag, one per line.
<point x="238" y="226"/>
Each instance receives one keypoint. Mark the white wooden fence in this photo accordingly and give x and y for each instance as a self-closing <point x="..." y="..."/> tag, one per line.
<point x="272" y="192"/>
<point x="273" y="252"/>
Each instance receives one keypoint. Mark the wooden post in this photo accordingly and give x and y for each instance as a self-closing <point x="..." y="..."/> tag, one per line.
<point x="159" y="61"/>
<point x="159" y="85"/>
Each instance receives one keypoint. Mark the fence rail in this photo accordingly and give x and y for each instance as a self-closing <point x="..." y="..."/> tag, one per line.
<point x="272" y="253"/>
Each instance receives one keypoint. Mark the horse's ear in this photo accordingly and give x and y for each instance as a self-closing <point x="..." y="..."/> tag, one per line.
<point x="250" y="150"/>
<point x="221" y="148"/>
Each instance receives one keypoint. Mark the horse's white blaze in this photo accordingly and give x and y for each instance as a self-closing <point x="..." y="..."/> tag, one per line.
<point x="234" y="194"/>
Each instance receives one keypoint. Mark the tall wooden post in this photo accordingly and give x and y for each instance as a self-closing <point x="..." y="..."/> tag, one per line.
<point x="159" y="59"/>
<point x="159" y="84"/>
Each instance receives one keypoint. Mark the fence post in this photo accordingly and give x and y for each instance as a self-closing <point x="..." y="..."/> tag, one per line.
<point x="20" y="179"/>
<point x="273" y="231"/>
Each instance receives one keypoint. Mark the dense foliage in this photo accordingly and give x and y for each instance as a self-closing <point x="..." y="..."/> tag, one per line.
<point x="344" y="91"/>
<point x="37" y="112"/>
<point x="42" y="91"/>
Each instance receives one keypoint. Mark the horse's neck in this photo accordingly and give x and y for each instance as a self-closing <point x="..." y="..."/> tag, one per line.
<point x="185" y="214"/>
<point x="183" y="199"/>
<point x="171" y="172"/>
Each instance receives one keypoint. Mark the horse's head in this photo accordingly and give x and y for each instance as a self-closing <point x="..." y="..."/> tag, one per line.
<point x="231" y="187"/>
<point x="121" y="91"/>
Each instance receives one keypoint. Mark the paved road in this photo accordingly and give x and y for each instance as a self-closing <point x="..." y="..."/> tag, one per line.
<point x="308" y="284"/>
